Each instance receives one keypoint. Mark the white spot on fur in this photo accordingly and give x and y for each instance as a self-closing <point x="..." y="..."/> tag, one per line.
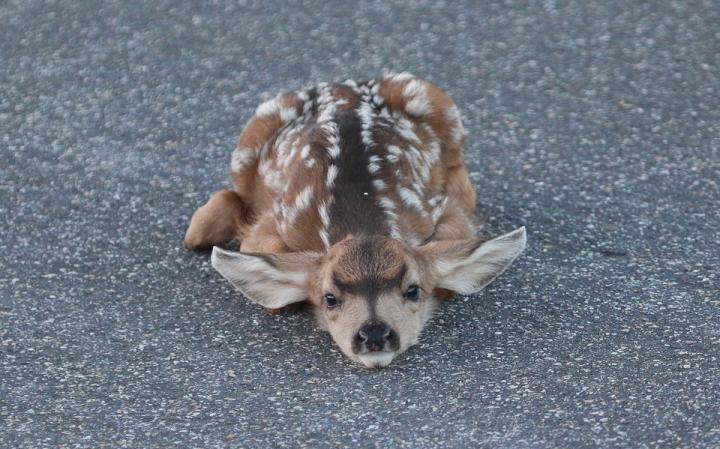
<point x="457" y="131"/>
<point x="304" y="198"/>
<point x="325" y="238"/>
<point x="283" y="147"/>
<point x="324" y="215"/>
<point x="367" y="138"/>
<point x="268" y="109"/>
<point x="379" y="184"/>
<point x="388" y="207"/>
<point x="397" y="77"/>
<point x="301" y="204"/>
<point x="413" y="154"/>
<point x="241" y="157"/>
<point x="272" y="178"/>
<point x="406" y="129"/>
<point x="287" y="159"/>
<point x="392" y="149"/>
<point x="331" y="131"/>
<point x="394" y="230"/>
<point x="374" y="165"/>
<point x="386" y="203"/>
<point x="435" y="200"/>
<point x="438" y="210"/>
<point x="331" y="175"/>
<point x="367" y="117"/>
<point x="334" y="151"/>
<point x="434" y="150"/>
<point x="424" y="174"/>
<point x="277" y="209"/>
<point x="416" y="93"/>
<point x="288" y="114"/>
<point x="411" y="240"/>
<point x="411" y="199"/>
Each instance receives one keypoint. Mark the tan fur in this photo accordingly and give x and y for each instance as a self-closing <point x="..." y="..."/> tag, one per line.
<point x="217" y="221"/>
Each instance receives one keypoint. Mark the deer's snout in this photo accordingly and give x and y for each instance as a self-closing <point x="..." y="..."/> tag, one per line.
<point x="375" y="336"/>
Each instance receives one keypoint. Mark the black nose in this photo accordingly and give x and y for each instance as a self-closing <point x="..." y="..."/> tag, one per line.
<point x="374" y="336"/>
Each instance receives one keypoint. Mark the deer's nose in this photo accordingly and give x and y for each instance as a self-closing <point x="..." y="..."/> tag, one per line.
<point x="374" y="336"/>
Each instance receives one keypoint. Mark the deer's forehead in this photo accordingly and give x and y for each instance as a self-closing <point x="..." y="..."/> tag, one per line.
<point x="368" y="264"/>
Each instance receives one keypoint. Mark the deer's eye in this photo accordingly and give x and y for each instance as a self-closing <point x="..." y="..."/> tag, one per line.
<point x="331" y="301"/>
<point x="412" y="293"/>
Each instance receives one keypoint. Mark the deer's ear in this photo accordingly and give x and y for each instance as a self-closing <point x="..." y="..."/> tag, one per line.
<point x="271" y="280"/>
<point x="466" y="266"/>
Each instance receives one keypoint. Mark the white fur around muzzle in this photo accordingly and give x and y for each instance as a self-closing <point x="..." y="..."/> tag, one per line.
<point x="376" y="359"/>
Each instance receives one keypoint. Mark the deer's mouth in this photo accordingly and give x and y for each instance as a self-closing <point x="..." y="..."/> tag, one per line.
<point x="376" y="359"/>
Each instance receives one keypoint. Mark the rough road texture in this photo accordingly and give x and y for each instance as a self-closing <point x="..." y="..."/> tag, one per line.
<point x="595" y="124"/>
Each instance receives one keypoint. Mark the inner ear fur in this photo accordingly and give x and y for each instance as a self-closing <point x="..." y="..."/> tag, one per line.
<point x="466" y="266"/>
<point x="271" y="280"/>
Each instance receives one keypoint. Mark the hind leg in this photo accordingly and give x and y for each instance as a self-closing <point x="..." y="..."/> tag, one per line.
<point x="217" y="221"/>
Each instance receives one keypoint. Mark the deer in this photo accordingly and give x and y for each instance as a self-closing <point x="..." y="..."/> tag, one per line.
<point x="353" y="198"/>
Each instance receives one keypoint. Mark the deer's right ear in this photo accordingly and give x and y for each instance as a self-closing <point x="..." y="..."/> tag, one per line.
<point x="466" y="266"/>
<point x="271" y="280"/>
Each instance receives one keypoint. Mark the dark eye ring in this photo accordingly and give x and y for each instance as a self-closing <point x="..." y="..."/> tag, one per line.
<point x="412" y="293"/>
<point x="331" y="300"/>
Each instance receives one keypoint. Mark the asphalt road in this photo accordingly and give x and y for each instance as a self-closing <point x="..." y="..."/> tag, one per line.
<point x="595" y="124"/>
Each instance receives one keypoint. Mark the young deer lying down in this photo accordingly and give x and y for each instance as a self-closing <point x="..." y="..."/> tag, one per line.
<point x="353" y="197"/>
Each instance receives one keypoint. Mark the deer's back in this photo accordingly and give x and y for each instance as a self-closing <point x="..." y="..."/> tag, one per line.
<point x="370" y="158"/>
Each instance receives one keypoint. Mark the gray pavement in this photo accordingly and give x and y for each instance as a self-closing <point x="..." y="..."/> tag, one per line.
<point x="595" y="124"/>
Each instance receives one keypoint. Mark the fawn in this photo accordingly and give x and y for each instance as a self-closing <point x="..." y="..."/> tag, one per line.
<point x="353" y="198"/>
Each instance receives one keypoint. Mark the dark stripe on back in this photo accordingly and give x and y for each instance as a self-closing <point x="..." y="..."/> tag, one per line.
<point x="354" y="209"/>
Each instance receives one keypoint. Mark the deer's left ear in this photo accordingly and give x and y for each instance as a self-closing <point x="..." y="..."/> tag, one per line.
<point x="271" y="280"/>
<point x="466" y="266"/>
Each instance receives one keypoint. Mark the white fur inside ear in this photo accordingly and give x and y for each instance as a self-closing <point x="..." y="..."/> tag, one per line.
<point x="259" y="279"/>
<point x="472" y="273"/>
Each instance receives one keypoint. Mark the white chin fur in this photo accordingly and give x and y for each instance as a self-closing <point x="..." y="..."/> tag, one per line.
<point x="376" y="359"/>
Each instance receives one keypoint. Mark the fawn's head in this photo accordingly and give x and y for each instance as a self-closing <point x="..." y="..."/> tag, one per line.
<point x="372" y="293"/>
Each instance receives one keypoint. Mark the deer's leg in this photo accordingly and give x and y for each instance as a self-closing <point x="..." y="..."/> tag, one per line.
<point x="456" y="222"/>
<point x="217" y="221"/>
<point x="459" y="188"/>
<point x="264" y="237"/>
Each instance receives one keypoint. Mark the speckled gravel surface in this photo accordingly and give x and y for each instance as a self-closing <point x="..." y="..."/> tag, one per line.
<point x="595" y="124"/>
